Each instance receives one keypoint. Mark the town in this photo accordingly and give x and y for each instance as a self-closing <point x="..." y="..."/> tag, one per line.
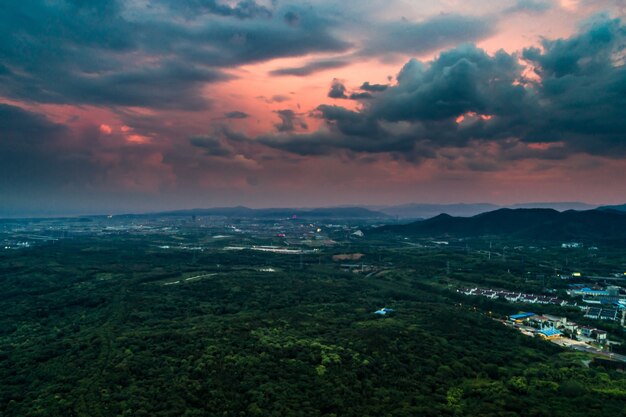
<point x="606" y="304"/>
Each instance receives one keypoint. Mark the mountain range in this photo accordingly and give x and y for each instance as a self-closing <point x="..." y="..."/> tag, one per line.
<point x="541" y="224"/>
<point x="403" y="211"/>
<point x="620" y="207"/>
<point x="425" y="211"/>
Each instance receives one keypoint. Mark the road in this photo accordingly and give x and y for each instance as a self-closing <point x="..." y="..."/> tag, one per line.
<point x="583" y="347"/>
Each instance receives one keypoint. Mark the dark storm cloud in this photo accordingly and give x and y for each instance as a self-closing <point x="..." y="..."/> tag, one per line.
<point x="229" y="43"/>
<point x="168" y="85"/>
<point x="236" y="114"/>
<point x="128" y="54"/>
<point x="583" y="89"/>
<point x="578" y="105"/>
<point x="364" y="95"/>
<point x="278" y="98"/>
<point x="432" y="34"/>
<point x="460" y="80"/>
<point x="583" y="55"/>
<point x="373" y="88"/>
<point x="367" y="91"/>
<point x="162" y="53"/>
<point x="292" y="18"/>
<point x="311" y="68"/>
<point x="211" y="145"/>
<point x="46" y="167"/>
<point x="289" y="121"/>
<point x="17" y="125"/>
<point x="245" y="9"/>
<point x="530" y="6"/>
<point x="33" y="151"/>
<point x="337" y="90"/>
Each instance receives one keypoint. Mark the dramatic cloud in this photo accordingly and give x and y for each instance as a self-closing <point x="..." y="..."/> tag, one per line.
<point x="311" y="68"/>
<point x="209" y="102"/>
<point x="236" y="114"/>
<point x="290" y="121"/>
<point x="373" y="88"/>
<point x="460" y="80"/>
<point x="364" y="95"/>
<point x="127" y="54"/>
<point x="38" y="156"/>
<point x="243" y="10"/>
<point x="466" y="95"/>
<point x="212" y="146"/>
<point x="19" y="126"/>
<point x="337" y="90"/>
<point x="583" y="89"/>
<point x="429" y="35"/>
<point x="530" y="6"/>
<point x="277" y="98"/>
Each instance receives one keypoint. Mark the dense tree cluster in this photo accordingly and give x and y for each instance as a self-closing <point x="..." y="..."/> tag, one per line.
<point x="90" y="328"/>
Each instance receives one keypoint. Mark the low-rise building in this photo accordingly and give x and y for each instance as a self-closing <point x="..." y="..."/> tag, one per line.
<point x="542" y="322"/>
<point x="571" y="327"/>
<point x="558" y="322"/>
<point x="600" y="335"/>
<point x="521" y="317"/>
<point x="586" y="331"/>
<point x="549" y="333"/>
<point x="598" y="313"/>
<point x="609" y="314"/>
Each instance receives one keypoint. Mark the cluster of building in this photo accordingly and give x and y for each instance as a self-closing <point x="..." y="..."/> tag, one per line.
<point x="598" y="295"/>
<point x="601" y="303"/>
<point x="16" y="245"/>
<point x="571" y="245"/>
<point x="551" y="327"/>
<point x="512" y="296"/>
<point x="603" y="314"/>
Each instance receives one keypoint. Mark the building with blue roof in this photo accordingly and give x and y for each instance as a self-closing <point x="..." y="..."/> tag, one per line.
<point x="520" y="317"/>
<point x="384" y="311"/>
<point x="589" y="292"/>
<point x="549" y="333"/>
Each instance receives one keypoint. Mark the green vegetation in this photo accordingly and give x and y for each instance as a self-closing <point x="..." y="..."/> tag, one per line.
<point x="116" y="327"/>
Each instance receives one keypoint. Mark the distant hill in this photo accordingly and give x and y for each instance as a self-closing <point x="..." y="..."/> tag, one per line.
<point x="314" y="213"/>
<point x="541" y="224"/>
<point x="620" y="207"/>
<point x="425" y="211"/>
<point x="560" y="206"/>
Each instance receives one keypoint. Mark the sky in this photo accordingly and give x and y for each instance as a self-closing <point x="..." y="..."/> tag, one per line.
<point x="146" y="105"/>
